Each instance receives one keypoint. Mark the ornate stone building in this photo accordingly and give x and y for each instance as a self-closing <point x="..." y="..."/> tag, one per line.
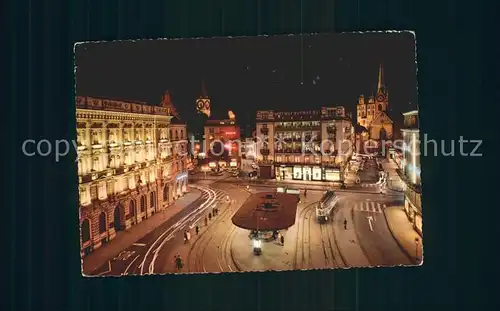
<point x="373" y="114"/>
<point x="311" y="145"/>
<point x="411" y="169"/>
<point x="180" y="154"/>
<point x="124" y="166"/>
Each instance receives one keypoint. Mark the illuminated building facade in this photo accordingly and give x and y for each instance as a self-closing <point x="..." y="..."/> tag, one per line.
<point x="373" y="114"/>
<point x="248" y="148"/>
<point x="304" y="145"/>
<point x="411" y="169"/>
<point x="222" y="141"/>
<point x="180" y="158"/>
<point x="124" y="166"/>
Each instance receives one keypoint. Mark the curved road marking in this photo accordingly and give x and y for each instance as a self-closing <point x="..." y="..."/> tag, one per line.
<point x="162" y="235"/>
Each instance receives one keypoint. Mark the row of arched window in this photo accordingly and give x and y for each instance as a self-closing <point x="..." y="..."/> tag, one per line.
<point x="103" y="226"/>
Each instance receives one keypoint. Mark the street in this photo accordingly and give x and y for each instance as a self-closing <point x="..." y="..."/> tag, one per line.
<point x="357" y="233"/>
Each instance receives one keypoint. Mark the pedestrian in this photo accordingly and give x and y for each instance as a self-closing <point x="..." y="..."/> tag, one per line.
<point x="305" y="193"/>
<point x="209" y="216"/>
<point x="206" y="221"/>
<point x="282" y="238"/>
<point x="345" y="224"/>
<point x="178" y="263"/>
<point x="197" y="230"/>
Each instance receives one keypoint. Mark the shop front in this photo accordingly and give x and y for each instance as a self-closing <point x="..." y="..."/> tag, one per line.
<point x="284" y="172"/>
<point x="413" y="208"/>
<point x="307" y="173"/>
<point x="332" y="174"/>
<point x="233" y="163"/>
<point x="317" y="173"/>
<point x="297" y="173"/>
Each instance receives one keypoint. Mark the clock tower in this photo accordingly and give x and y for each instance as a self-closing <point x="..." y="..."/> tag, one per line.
<point x="382" y="97"/>
<point x="203" y="101"/>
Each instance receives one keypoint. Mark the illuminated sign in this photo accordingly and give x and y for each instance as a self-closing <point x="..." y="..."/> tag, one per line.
<point x="212" y="164"/>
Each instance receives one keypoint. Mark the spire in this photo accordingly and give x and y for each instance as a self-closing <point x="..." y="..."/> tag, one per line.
<point x="203" y="90"/>
<point x="381" y="83"/>
<point x="167" y="103"/>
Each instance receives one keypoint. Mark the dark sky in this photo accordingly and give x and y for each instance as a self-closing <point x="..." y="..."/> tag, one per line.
<point x="249" y="73"/>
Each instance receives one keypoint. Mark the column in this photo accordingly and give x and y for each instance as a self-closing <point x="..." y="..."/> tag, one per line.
<point x="119" y="141"/>
<point x="104" y="142"/>
<point x="94" y="227"/>
<point x="134" y="136"/>
<point x="88" y="139"/>
<point x="120" y="132"/>
<point x="154" y="138"/>
<point x="143" y="131"/>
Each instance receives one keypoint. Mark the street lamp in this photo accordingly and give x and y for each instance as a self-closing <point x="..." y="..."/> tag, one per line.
<point x="416" y="248"/>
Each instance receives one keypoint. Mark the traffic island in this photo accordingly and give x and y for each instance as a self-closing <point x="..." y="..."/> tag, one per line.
<point x="262" y="221"/>
<point x="274" y="256"/>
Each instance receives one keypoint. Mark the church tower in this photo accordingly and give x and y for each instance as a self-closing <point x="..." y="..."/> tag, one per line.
<point x="382" y="97"/>
<point x="203" y="101"/>
<point x="370" y="110"/>
<point x="361" y="110"/>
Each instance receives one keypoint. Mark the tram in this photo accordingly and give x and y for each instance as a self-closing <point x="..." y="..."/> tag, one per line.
<point x="326" y="205"/>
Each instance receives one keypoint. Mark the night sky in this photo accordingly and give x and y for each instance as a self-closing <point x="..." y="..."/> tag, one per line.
<point x="249" y="73"/>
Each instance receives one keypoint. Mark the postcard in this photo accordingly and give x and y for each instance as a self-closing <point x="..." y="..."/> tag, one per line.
<point x="268" y="153"/>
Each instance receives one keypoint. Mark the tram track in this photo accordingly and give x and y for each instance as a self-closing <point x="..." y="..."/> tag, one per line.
<point x="225" y="257"/>
<point x="199" y="246"/>
<point x="326" y="245"/>
<point x="338" y="260"/>
<point x="197" y="256"/>
<point x="147" y="264"/>
<point x="224" y="252"/>
<point x="302" y="258"/>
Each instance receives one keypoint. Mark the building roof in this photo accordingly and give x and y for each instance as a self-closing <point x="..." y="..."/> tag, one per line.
<point x="413" y="112"/>
<point x="267" y="211"/>
<point x="382" y="118"/>
<point x="167" y="103"/>
<point x="85" y="102"/>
